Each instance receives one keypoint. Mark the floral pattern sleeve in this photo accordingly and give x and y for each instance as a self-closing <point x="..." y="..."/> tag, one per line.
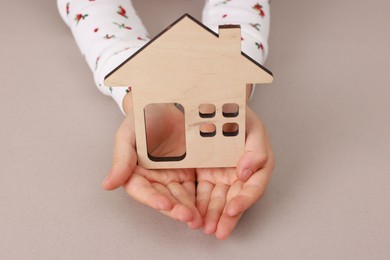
<point x="107" y="32"/>
<point x="252" y="15"/>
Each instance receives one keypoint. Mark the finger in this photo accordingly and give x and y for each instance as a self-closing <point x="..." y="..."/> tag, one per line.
<point x="215" y="208"/>
<point x="252" y="190"/>
<point x="182" y="196"/>
<point x="234" y="190"/>
<point x="203" y="194"/>
<point x="142" y="190"/>
<point x="189" y="186"/>
<point x="124" y="158"/>
<point x="166" y="176"/>
<point x="178" y="211"/>
<point x="226" y="225"/>
<point x="256" y="148"/>
<point x="161" y="179"/>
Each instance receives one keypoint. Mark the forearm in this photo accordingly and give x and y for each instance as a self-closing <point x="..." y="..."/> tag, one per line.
<point x="254" y="18"/>
<point x="252" y="15"/>
<point x="107" y="33"/>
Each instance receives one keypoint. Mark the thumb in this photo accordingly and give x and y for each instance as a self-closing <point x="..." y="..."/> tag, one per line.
<point x="124" y="158"/>
<point x="256" y="147"/>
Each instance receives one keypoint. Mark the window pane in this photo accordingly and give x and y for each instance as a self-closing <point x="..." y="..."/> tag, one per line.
<point x="207" y="110"/>
<point x="230" y="129"/>
<point x="230" y="110"/>
<point x="207" y="130"/>
<point x="154" y="137"/>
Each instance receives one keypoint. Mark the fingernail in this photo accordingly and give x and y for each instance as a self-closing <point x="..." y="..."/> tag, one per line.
<point x="245" y="174"/>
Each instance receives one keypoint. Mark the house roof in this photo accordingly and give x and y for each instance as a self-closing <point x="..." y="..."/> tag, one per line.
<point x="172" y="25"/>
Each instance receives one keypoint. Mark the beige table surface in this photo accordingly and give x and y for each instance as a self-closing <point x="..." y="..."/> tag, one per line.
<point x="327" y="113"/>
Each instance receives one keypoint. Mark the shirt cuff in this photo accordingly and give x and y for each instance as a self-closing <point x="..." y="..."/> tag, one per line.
<point x="108" y="62"/>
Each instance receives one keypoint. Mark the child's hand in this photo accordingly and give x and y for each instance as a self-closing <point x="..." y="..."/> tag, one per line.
<point x="172" y="191"/>
<point x="223" y="194"/>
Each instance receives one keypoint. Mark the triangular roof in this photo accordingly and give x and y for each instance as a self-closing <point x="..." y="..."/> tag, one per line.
<point x="155" y="39"/>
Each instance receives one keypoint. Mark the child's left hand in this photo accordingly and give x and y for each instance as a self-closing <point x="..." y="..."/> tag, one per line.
<point x="223" y="194"/>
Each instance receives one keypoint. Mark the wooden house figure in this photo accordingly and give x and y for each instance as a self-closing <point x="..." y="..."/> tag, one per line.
<point x="207" y="74"/>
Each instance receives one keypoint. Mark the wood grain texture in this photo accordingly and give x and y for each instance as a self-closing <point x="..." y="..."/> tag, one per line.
<point x="189" y="64"/>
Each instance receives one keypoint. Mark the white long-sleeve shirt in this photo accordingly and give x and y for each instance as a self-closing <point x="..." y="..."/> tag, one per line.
<point x="109" y="31"/>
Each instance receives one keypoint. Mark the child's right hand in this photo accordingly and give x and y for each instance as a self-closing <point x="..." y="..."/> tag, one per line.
<point x="171" y="191"/>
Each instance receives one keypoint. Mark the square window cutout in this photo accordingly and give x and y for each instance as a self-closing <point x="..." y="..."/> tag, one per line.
<point x="230" y="129"/>
<point x="207" y="130"/>
<point x="230" y="110"/>
<point x="207" y="110"/>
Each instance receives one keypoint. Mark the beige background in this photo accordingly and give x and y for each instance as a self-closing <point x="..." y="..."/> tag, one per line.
<point x="327" y="114"/>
